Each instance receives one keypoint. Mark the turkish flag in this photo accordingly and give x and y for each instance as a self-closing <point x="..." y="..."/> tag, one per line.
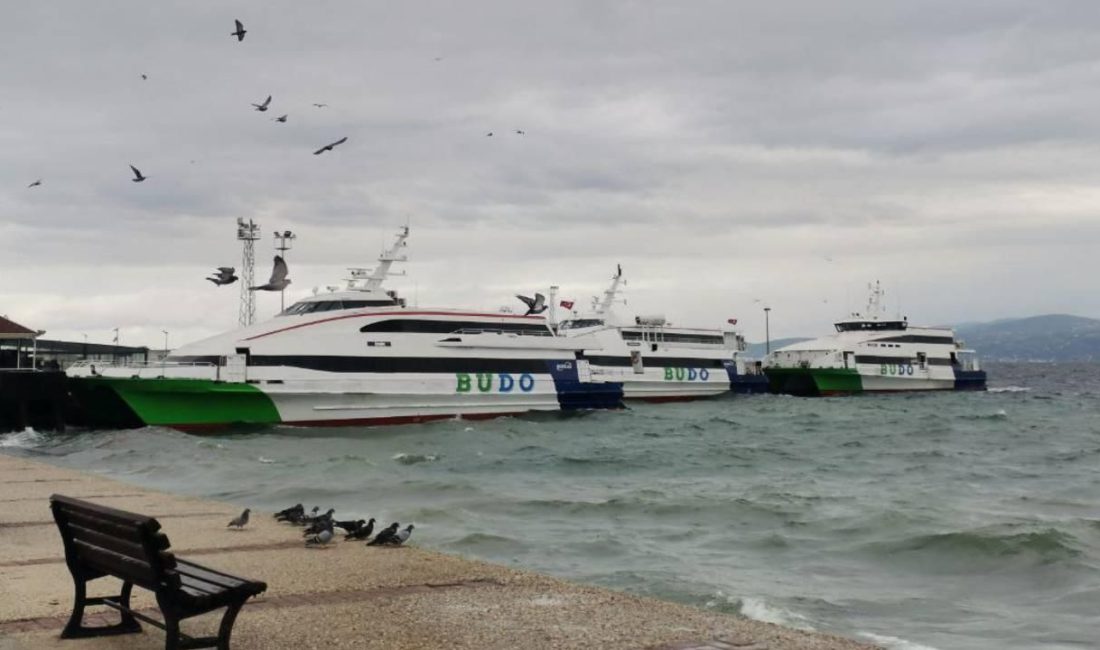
<point x="731" y="321"/>
<point x="568" y="304"/>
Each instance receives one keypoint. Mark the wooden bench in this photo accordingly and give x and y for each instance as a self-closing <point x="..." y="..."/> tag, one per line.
<point x="101" y="541"/>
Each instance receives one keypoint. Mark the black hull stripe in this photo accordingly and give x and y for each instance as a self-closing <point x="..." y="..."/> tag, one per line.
<point x="900" y="360"/>
<point x="658" y="362"/>
<point x="917" y="338"/>
<point x="402" y="364"/>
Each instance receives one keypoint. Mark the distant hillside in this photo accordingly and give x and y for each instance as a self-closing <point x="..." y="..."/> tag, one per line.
<point x="1053" y="337"/>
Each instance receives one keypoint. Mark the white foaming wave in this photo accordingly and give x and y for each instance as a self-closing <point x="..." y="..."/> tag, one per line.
<point x="26" y="438"/>
<point x="412" y="459"/>
<point x="893" y="642"/>
<point x="1008" y="389"/>
<point x="265" y="460"/>
<point x="758" y="609"/>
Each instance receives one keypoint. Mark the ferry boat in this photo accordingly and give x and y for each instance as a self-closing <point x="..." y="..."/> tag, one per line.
<point x="872" y="353"/>
<point x="656" y="361"/>
<point x="358" y="356"/>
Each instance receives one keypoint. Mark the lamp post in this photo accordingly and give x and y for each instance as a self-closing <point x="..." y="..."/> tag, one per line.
<point x="767" y="331"/>
<point x="164" y="358"/>
<point x="283" y="241"/>
<point x="85" y="351"/>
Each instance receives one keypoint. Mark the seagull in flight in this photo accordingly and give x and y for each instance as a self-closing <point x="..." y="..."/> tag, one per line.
<point x="240" y="31"/>
<point x="520" y="132"/>
<point x="535" y="305"/>
<point x="489" y="134"/>
<point x="36" y="183"/>
<point x="224" y="275"/>
<point x="144" y="77"/>
<point x="277" y="282"/>
<point x="263" y="107"/>
<point x="328" y="147"/>
<point x="281" y="118"/>
<point x="138" y="177"/>
<point x="321" y="105"/>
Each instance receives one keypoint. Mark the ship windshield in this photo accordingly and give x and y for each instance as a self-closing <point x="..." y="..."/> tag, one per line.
<point x="579" y="323"/>
<point x="871" y="325"/>
<point x="308" y="307"/>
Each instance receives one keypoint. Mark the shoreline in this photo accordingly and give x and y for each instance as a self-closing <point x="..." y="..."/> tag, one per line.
<point x="347" y="595"/>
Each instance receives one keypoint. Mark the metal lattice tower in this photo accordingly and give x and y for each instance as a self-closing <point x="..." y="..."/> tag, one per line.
<point x="248" y="232"/>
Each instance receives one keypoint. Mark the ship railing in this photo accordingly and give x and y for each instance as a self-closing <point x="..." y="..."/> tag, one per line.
<point x="138" y="365"/>
<point x="492" y="330"/>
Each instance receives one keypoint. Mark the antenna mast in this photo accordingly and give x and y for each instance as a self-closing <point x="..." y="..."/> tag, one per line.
<point x="248" y="232"/>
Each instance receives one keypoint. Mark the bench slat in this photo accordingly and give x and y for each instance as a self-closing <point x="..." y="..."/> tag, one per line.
<point x="128" y="532"/>
<point x="137" y="571"/>
<point x="221" y="580"/>
<point x="120" y="546"/>
<point x="114" y="515"/>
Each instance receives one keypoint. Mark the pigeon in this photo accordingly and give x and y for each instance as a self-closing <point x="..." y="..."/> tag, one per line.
<point x="263" y="107"/>
<point x="350" y="526"/>
<point x="321" y="105"/>
<point x="224" y="275"/>
<point x="324" y="536"/>
<point x="36" y="183"/>
<point x="240" y="31"/>
<point x="281" y="118"/>
<point x="385" y="536"/>
<point x="239" y="522"/>
<point x="535" y="305"/>
<point x="319" y="524"/>
<point x="402" y="536"/>
<point x="312" y="519"/>
<point x="363" y="532"/>
<point x="328" y="147"/>
<point x="137" y="175"/>
<point x="294" y="509"/>
<point x="301" y="518"/>
<point x="278" y="279"/>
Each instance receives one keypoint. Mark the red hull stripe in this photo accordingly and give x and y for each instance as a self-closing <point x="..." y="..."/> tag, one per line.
<point x="401" y="314"/>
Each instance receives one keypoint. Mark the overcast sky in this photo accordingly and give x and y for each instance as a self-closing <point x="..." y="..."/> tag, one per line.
<point x="728" y="154"/>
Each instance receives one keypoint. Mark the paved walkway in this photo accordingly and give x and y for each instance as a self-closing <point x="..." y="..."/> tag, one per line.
<point x="345" y="596"/>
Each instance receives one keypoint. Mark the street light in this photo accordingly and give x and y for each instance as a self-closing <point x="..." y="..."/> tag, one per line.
<point x="283" y="241"/>
<point x="164" y="358"/>
<point x="767" y="331"/>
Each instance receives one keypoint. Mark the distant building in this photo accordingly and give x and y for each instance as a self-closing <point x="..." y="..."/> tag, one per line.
<point x="22" y="347"/>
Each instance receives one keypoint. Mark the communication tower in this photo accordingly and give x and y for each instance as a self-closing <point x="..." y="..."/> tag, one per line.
<point x="248" y="232"/>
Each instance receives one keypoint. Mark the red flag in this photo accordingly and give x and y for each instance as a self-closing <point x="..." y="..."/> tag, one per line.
<point x="568" y="304"/>
<point x="731" y="321"/>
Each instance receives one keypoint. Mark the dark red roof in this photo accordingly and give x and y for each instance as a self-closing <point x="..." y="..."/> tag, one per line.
<point x="11" y="327"/>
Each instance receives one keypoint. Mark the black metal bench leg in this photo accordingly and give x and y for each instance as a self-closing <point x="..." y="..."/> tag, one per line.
<point x="226" y="627"/>
<point x="171" y="631"/>
<point x="73" y="628"/>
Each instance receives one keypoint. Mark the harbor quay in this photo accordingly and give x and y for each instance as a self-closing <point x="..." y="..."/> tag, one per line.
<point x="345" y="595"/>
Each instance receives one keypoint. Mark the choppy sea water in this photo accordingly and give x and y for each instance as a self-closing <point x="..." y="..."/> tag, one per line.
<point x="957" y="520"/>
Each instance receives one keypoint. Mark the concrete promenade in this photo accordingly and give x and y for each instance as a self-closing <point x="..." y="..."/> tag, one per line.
<point x="345" y="596"/>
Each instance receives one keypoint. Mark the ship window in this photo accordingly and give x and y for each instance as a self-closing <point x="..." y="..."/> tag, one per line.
<point x="311" y="306"/>
<point x="580" y="322"/>
<point x="856" y="326"/>
<point x="423" y="326"/>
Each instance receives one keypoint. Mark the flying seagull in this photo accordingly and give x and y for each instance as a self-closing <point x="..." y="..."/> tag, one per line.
<point x="363" y="532"/>
<point x="489" y="134"/>
<point x="328" y="147"/>
<point x="281" y="118"/>
<point x="321" y="105"/>
<point x="224" y="275"/>
<point x="278" y="280"/>
<point x="263" y="107"/>
<point x="137" y="175"/>
<point x="520" y="132"/>
<point x="144" y="77"/>
<point x="240" y="31"/>
<point x="385" y="536"/>
<point x="36" y="183"/>
<point x="535" y="305"/>
<point x="239" y="522"/>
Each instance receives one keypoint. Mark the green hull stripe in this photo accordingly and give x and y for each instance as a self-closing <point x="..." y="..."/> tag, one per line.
<point x="814" y="380"/>
<point x="193" y="401"/>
